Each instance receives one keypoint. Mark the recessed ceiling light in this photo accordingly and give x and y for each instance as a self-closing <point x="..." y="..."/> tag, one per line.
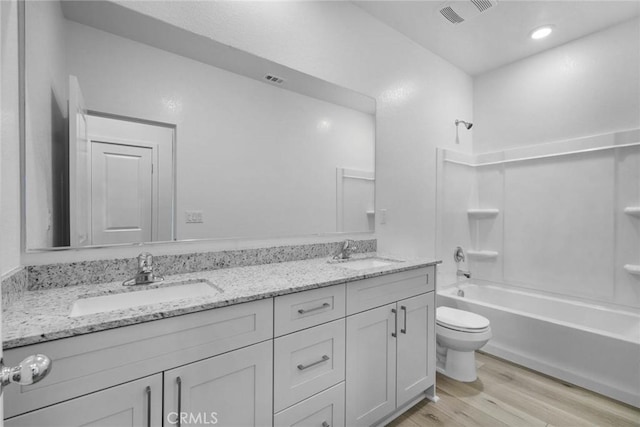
<point x="541" y="32"/>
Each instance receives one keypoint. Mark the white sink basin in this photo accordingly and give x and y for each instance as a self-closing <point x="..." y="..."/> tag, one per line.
<point x="365" y="263"/>
<point x="124" y="300"/>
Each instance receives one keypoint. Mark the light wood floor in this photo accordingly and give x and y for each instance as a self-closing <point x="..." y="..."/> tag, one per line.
<point x="509" y="395"/>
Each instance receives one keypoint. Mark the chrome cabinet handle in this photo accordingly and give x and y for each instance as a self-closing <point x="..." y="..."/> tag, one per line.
<point x="404" y="330"/>
<point x="179" y="382"/>
<point x="31" y="370"/>
<point x="395" y="313"/>
<point x="309" y="310"/>
<point x="325" y="424"/>
<point x="148" y="391"/>
<point x="303" y="367"/>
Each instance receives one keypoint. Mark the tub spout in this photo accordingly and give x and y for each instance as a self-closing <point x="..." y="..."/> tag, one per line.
<point x="461" y="273"/>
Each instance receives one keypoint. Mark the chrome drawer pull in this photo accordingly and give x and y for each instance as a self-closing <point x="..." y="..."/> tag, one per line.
<point x="303" y="311"/>
<point x="324" y="359"/>
<point x="395" y="315"/>
<point x="179" y="382"/>
<point x="404" y="330"/>
<point x="325" y="424"/>
<point x="148" y="390"/>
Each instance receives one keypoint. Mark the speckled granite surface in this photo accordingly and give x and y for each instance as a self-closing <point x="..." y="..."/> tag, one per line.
<point x="43" y="315"/>
<point x="90" y="272"/>
<point x="14" y="285"/>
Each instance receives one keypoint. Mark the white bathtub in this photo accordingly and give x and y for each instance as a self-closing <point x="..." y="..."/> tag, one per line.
<point x="592" y="346"/>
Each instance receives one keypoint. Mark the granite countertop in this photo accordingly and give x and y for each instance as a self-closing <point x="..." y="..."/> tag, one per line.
<point x="43" y="315"/>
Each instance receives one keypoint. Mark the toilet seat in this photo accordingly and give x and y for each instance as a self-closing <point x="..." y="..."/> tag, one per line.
<point x="460" y="320"/>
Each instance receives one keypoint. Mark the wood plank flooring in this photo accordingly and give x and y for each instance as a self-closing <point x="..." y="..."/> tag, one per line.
<point x="509" y="395"/>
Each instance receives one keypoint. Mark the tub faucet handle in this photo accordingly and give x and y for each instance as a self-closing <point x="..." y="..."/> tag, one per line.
<point x="458" y="254"/>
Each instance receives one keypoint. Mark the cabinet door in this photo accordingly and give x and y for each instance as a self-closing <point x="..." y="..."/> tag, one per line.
<point x="137" y="403"/>
<point x="233" y="389"/>
<point x="371" y="365"/>
<point x="416" y="346"/>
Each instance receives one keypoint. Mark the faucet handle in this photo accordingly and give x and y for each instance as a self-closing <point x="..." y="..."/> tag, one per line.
<point x="145" y="262"/>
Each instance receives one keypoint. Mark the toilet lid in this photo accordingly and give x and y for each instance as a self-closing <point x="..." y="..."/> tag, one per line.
<point x="461" y="320"/>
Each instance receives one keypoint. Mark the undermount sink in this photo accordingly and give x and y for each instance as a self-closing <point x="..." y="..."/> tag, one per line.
<point x="124" y="300"/>
<point x="365" y="263"/>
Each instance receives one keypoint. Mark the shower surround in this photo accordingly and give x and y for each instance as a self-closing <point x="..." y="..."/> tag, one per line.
<point x="559" y="219"/>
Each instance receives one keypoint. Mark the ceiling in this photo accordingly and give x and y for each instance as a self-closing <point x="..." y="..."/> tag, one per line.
<point x="500" y="35"/>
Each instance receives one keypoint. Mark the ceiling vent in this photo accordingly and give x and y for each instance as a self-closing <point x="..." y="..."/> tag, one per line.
<point x="457" y="12"/>
<point x="274" y="79"/>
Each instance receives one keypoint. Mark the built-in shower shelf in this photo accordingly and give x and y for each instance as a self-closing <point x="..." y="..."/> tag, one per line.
<point x="482" y="254"/>
<point x="633" y="269"/>
<point x="483" y="213"/>
<point x="633" y="211"/>
<point x="371" y="212"/>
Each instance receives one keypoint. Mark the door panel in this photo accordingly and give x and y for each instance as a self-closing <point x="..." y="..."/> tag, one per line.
<point x="415" y="346"/>
<point x="126" y="405"/>
<point x="121" y="196"/>
<point x="371" y="366"/>
<point x="235" y="389"/>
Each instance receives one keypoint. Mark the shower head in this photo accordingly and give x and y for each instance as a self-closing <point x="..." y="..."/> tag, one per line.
<point x="466" y="124"/>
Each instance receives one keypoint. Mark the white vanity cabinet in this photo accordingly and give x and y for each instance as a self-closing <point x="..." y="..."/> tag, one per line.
<point x="352" y="354"/>
<point x="220" y="345"/>
<point x="390" y="350"/>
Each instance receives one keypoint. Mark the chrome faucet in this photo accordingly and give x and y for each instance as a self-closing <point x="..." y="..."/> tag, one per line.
<point x="145" y="272"/>
<point x="346" y="250"/>
<point x="461" y="273"/>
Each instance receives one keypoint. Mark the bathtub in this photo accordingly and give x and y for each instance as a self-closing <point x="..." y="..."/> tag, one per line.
<point x="590" y="345"/>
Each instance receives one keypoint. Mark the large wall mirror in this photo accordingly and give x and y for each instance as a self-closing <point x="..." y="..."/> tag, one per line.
<point x="138" y="131"/>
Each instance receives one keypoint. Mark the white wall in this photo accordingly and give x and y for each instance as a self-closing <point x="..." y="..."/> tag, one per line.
<point x="589" y="86"/>
<point x="9" y="140"/>
<point x="257" y="159"/>
<point x="419" y="95"/>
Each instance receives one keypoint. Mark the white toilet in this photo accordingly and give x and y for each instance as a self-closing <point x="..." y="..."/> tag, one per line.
<point x="458" y="335"/>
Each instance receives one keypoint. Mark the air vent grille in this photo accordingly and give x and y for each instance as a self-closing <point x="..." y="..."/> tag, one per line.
<point x="274" y="79"/>
<point x="462" y="11"/>
<point x="482" y="5"/>
<point x="451" y="15"/>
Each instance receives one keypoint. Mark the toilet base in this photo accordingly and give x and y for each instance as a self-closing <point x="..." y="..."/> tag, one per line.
<point x="457" y="365"/>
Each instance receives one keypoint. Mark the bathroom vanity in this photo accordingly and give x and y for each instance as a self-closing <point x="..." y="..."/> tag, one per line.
<point x="303" y="342"/>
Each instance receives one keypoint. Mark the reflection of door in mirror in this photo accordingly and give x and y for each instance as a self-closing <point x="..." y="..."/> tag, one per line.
<point x="131" y="175"/>
<point x="121" y="178"/>
<point x="121" y="193"/>
<point x="79" y="164"/>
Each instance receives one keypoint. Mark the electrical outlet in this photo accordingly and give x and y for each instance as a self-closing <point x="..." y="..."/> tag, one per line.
<point x="194" y="217"/>
<point x="383" y="216"/>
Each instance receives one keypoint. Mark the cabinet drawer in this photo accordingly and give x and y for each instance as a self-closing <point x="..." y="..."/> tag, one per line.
<point x="308" y="362"/>
<point x="309" y="308"/>
<point x="92" y="362"/>
<point x="323" y="409"/>
<point x="377" y="291"/>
